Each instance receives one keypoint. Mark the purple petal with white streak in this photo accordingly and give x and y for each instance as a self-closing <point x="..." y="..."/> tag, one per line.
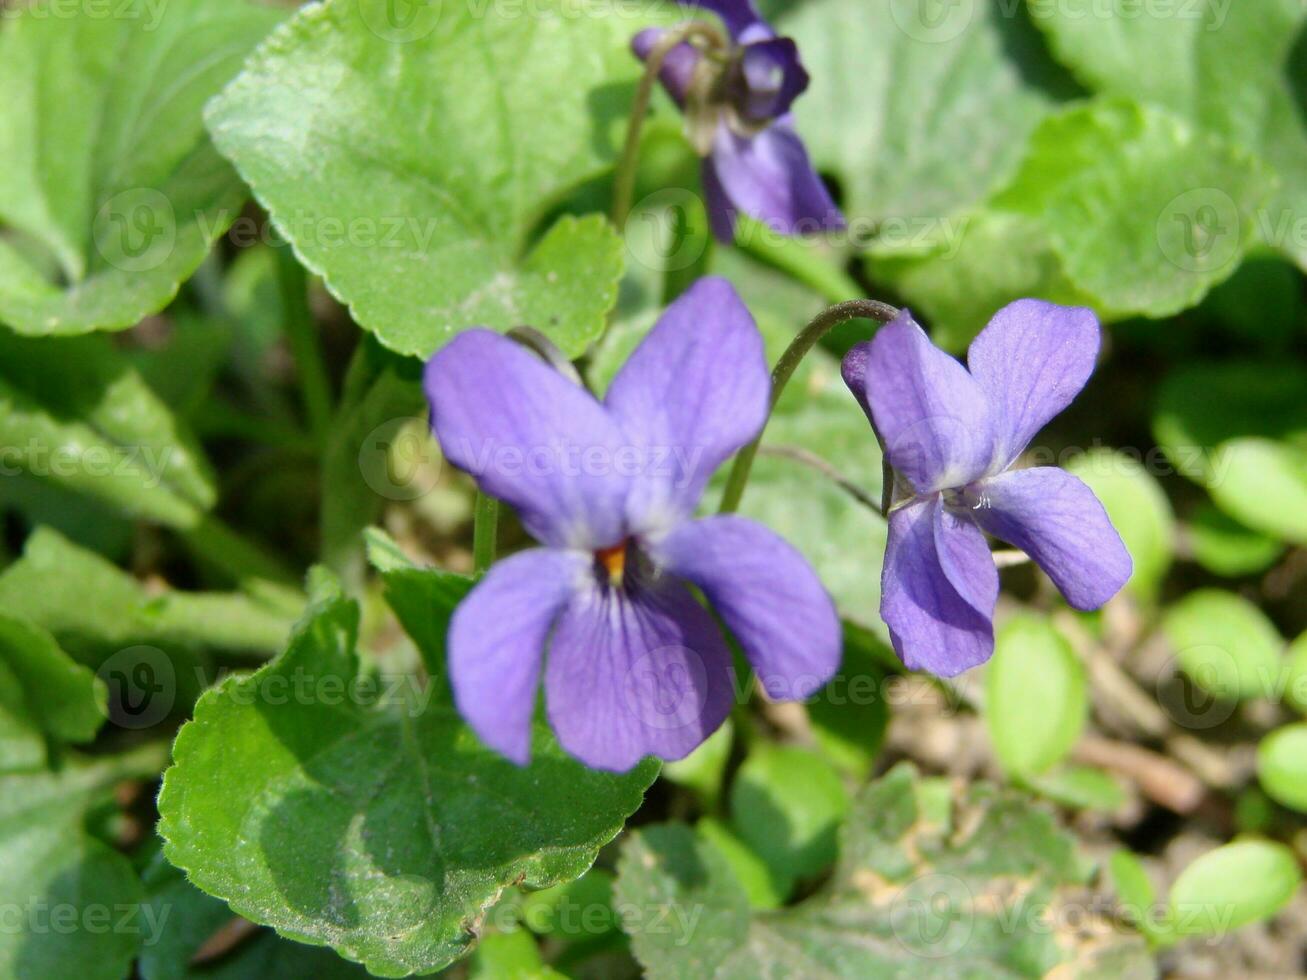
<point x="636" y="672"/>
<point x="1031" y="360"/>
<point x="1055" y="519"/>
<point x="768" y="595"/>
<point x="693" y="392"/>
<point x="770" y="178"/>
<point x="934" y="418"/>
<point x="497" y="642"/>
<point x="934" y="627"/>
<point x="523" y="430"/>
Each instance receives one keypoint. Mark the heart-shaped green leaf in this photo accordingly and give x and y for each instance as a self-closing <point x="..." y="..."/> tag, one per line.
<point x="410" y="160"/>
<point x="356" y="810"/>
<point x="107" y="178"/>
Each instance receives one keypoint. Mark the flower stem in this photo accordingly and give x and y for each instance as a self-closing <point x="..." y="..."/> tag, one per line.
<point x="624" y="179"/>
<point x="821" y="324"/>
<point x="485" y="532"/>
<point x="302" y="337"/>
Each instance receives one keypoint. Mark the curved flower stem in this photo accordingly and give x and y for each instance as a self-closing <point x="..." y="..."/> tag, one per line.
<point x="821" y="324"/>
<point x="485" y="532"/>
<point x="624" y="179"/>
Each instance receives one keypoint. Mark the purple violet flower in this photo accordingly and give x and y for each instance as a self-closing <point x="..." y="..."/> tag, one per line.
<point x="737" y="106"/>
<point x="953" y="435"/>
<point x="635" y="666"/>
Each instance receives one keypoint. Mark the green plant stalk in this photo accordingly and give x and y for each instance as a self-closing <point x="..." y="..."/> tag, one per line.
<point x="624" y="178"/>
<point x="243" y="560"/>
<point x="302" y="337"/>
<point x="798" y="260"/>
<point x="808" y="337"/>
<point x="485" y="532"/>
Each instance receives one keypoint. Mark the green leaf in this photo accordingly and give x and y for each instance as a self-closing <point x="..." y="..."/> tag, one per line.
<point x="1294" y="684"/>
<point x="75" y="413"/>
<point x="1223" y="546"/>
<point x="423" y="599"/>
<point x="382" y="397"/>
<point x="1221" y="65"/>
<point x="46" y="688"/>
<point x="411" y="166"/>
<point x="1036" y="699"/>
<point x="1136" y="896"/>
<point x="849" y="715"/>
<point x="1138" y="509"/>
<point x="797" y="495"/>
<point x="891" y="109"/>
<point x="760" y="885"/>
<point x="786" y="803"/>
<point x="1243" y="882"/>
<point x="94" y="608"/>
<point x="1225" y="644"/>
<point x="105" y="169"/>
<point x="1282" y="765"/>
<point x="375" y="824"/>
<point x="702" y="769"/>
<point x="75" y="902"/>
<point x="969" y="267"/>
<point x="1202" y="405"/>
<point x="1080" y="787"/>
<point x="917" y="893"/>
<point x="188" y="919"/>
<point x="580" y="909"/>
<point x="1145" y="212"/>
<point x="1262" y="484"/>
<point x="510" y="956"/>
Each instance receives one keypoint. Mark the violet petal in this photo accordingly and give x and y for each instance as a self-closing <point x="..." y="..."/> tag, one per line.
<point x="636" y="672"/>
<point x="767" y="594"/>
<point x="693" y="392"/>
<point x="1055" y="519"/>
<point x="530" y="437"/>
<point x="497" y="641"/>
<point x="932" y="626"/>
<point x="1031" y="360"/>
<point x="934" y="418"/>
